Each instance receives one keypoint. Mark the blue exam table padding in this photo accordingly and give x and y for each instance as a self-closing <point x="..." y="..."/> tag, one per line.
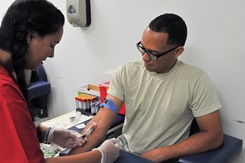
<point x="226" y="153"/>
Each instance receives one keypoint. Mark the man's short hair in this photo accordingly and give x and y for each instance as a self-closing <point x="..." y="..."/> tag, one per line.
<point x="172" y="24"/>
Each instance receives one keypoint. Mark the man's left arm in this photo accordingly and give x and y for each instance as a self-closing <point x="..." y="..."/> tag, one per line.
<point x="209" y="137"/>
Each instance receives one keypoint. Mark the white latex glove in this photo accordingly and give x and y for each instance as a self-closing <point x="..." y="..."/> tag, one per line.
<point x="65" y="138"/>
<point x="109" y="151"/>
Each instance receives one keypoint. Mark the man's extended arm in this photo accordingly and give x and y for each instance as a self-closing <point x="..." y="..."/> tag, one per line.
<point x="104" y="119"/>
<point x="209" y="137"/>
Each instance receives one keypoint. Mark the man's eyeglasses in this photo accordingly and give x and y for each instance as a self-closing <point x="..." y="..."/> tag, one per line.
<point x="154" y="57"/>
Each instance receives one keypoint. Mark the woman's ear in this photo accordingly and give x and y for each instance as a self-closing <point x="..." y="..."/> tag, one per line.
<point x="30" y="37"/>
<point x="179" y="51"/>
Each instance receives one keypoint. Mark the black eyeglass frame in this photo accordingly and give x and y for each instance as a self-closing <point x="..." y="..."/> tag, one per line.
<point x="150" y="54"/>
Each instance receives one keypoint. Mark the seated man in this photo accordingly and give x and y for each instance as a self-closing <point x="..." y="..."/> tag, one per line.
<point x="162" y="96"/>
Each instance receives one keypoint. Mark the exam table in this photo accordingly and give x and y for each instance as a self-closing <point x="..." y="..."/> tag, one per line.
<point x="226" y="153"/>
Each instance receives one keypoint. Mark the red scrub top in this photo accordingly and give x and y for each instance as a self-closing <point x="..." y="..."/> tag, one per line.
<point x="18" y="137"/>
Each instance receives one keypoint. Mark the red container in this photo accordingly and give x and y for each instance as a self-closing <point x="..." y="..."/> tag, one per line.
<point x="103" y="93"/>
<point x="122" y="110"/>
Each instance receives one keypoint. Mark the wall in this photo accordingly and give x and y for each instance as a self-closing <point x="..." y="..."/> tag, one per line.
<point x="215" y="43"/>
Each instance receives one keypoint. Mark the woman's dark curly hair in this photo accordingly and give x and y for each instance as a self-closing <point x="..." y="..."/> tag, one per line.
<point x="23" y="17"/>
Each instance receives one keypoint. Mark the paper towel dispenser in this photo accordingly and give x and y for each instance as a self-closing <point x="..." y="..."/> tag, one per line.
<point x="78" y="12"/>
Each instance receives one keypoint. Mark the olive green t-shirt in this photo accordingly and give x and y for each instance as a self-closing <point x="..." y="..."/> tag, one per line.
<point x="160" y="107"/>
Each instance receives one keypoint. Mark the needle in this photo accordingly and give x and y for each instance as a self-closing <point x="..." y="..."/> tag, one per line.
<point x="89" y="130"/>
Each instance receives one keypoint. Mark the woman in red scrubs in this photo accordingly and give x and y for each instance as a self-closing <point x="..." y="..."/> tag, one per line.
<point x="29" y="32"/>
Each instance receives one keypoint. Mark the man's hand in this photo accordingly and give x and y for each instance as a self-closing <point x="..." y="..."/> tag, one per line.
<point x="153" y="155"/>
